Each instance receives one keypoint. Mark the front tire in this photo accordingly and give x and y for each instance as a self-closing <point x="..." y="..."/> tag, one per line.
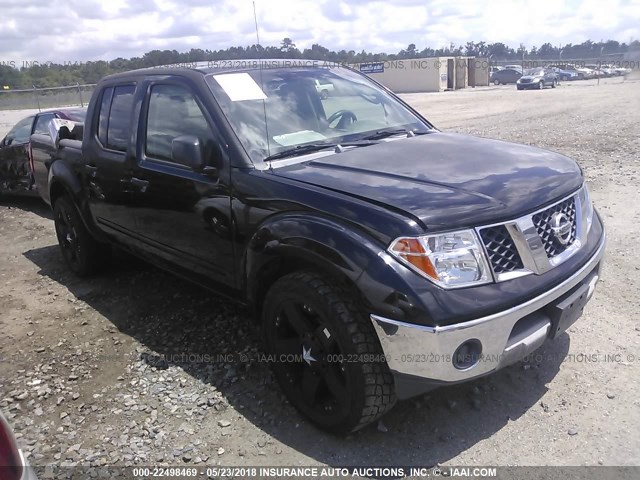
<point x="83" y="254"/>
<point x="540" y="85"/>
<point x="496" y="82"/>
<point x="326" y="354"/>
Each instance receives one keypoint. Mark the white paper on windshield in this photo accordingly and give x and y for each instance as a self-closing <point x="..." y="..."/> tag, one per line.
<point x="294" y="138"/>
<point x="240" y="86"/>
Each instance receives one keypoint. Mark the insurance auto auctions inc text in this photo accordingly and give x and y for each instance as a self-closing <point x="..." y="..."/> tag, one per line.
<point x="376" y="472"/>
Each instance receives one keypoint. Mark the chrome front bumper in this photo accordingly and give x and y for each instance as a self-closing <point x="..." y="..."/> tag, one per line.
<point x="428" y="352"/>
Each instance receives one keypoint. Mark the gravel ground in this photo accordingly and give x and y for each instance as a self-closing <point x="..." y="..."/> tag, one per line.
<point x="138" y="367"/>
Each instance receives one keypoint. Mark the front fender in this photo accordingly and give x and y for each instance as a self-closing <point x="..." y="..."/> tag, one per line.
<point x="307" y="239"/>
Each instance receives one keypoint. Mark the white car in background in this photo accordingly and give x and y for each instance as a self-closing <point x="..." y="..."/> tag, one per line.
<point x="586" y="73"/>
<point x="597" y="71"/>
<point x="608" y="70"/>
<point x="622" y="71"/>
<point x="324" y="88"/>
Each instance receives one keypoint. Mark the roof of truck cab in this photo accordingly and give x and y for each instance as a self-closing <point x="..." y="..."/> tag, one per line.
<point x="226" y="66"/>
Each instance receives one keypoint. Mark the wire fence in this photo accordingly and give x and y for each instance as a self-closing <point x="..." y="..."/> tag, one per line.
<point x="43" y="98"/>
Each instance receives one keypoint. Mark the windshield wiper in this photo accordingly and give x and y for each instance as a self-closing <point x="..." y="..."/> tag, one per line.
<point x="314" y="147"/>
<point x="300" y="150"/>
<point x="389" y="133"/>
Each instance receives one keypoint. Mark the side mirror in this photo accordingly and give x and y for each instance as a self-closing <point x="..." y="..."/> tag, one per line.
<point x="187" y="150"/>
<point x="7" y="141"/>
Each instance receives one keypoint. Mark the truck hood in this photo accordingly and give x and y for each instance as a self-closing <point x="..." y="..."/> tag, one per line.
<point x="445" y="179"/>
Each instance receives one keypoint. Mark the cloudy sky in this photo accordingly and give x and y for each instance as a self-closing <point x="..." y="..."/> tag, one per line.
<point x="82" y="30"/>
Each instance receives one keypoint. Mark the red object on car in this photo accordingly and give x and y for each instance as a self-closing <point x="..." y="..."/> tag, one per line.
<point x="11" y="464"/>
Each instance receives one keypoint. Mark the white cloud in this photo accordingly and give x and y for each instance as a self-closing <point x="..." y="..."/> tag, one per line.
<point x="93" y="30"/>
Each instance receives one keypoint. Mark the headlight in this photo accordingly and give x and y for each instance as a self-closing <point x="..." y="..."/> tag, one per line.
<point x="450" y="260"/>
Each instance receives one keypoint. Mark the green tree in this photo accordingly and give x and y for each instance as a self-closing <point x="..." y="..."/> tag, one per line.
<point x="287" y="45"/>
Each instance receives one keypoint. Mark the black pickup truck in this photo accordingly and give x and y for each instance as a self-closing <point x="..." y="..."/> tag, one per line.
<point x="382" y="257"/>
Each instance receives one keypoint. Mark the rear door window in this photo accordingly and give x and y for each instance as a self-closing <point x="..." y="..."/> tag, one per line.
<point x="114" y="125"/>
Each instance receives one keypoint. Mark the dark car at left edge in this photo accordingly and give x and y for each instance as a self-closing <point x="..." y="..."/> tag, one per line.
<point x="16" y="165"/>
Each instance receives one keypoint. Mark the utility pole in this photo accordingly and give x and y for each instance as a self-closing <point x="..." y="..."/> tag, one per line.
<point x="35" y="94"/>
<point x="489" y="69"/>
<point x="600" y="63"/>
<point x="80" y="94"/>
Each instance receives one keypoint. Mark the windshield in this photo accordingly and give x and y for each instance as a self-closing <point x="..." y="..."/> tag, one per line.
<point x="306" y="106"/>
<point x="20" y="132"/>
<point x="535" y="72"/>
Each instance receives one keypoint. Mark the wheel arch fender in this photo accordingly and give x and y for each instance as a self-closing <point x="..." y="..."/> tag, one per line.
<point x="63" y="181"/>
<point x="290" y="242"/>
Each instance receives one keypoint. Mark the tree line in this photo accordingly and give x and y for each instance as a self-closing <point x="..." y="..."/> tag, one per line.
<point x="47" y="74"/>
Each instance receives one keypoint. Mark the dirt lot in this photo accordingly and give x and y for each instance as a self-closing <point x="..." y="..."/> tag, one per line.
<point x="112" y="369"/>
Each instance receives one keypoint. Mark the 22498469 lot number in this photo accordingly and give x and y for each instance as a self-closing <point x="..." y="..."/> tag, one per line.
<point x="165" y="472"/>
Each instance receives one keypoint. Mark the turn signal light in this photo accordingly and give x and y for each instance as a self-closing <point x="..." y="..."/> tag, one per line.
<point x="450" y="260"/>
<point x="413" y="252"/>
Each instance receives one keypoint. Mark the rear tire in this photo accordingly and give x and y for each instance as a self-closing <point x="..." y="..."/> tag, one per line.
<point x="553" y="85"/>
<point x="338" y="378"/>
<point x="83" y="254"/>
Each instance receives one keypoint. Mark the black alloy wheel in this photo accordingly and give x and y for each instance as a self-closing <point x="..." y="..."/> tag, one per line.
<point x="325" y="354"/>
<point x="83" y="254"/>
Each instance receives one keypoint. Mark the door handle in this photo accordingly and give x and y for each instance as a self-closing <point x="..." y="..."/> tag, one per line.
<point x="91" y="170"/>
<point x="136" y="182"/>
<point x="139" y="182"/>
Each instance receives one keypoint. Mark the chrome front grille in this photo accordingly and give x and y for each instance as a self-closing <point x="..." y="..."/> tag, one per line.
<point x="503" y="255"/>
<point x="542" y="221"/>
<point x="537" y="242"/>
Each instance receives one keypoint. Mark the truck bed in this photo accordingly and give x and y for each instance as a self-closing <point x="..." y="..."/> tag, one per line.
<point x="44" y="153"/>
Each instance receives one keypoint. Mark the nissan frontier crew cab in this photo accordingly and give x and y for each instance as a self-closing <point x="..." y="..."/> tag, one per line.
<point x="382" y="257"/>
